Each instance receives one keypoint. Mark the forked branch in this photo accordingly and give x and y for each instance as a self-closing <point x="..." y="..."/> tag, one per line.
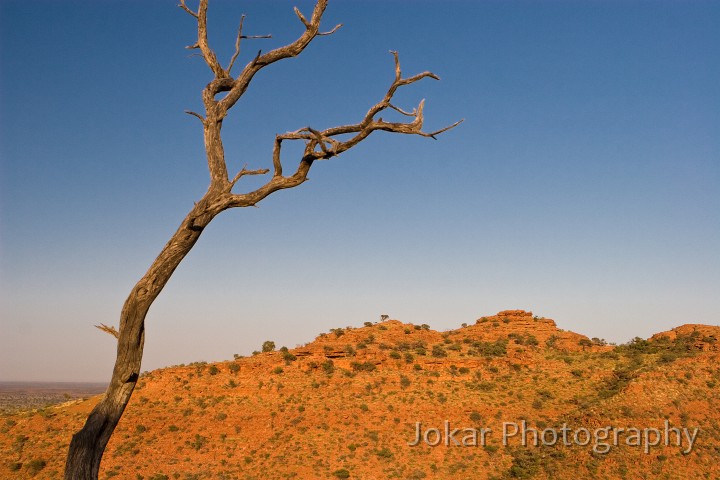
<point x="240" y="36"/>
<point x="328" y="143"/>
<point x="320" y="145"/>
<point x="237" y="86"/>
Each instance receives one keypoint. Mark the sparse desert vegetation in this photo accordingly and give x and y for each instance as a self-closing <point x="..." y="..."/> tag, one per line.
<point x="328" y="411"/>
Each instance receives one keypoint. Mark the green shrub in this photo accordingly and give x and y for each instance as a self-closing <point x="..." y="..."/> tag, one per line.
<point x="498" y="348"/>
<point x="34" y="466"/>
<point x="525" y="464"/>
<point x="384" y="453"/>
<point x="328" y="367"/>
<point x="343" y="472"/>
<point x="438" y="351"/>
<point x="213" y="370"/>
<point x="268" y="346"/>
<point x="363" y="367"/>
<point x="199" y="442"/>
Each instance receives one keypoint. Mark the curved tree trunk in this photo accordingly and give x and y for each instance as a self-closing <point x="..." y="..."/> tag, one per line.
<point x="87" y="445"/>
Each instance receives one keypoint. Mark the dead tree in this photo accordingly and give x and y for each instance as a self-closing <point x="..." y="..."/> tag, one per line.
<point x="88" y="444"/>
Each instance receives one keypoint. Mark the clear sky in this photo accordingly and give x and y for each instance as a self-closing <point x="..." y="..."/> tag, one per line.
<point x="583" y="184"/>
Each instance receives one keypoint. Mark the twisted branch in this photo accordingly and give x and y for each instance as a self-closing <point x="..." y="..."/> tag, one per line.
<point x="369" y="124"/>
<point x="321" y="144"/>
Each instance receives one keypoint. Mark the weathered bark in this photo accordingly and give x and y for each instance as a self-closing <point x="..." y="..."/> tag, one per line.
<point x="88" y="445"/>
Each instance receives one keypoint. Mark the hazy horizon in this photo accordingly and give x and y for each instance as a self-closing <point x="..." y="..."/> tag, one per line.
<point x="581" y="186"/>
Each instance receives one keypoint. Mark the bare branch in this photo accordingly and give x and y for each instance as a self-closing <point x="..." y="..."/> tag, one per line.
<point x="319" y="139"/>
<point x="245" y="171"/>
<point x="398" y="74"/>
<point x="203" y="44"/>
<point x="276" y="157"/>
<point x="185" y="7"/>
<point x="417" y="77"/>
<point x="111" y="330"/>
<point x="302" y="18"/>
<point x="195" y="114"/>
<point x="437" y="132"/>
<point x="237" y="43"/>
<point x="400" y="110"/>
<point x="335" y="29"/>
<point x="312" y="29"/>
<point x="320" y="144"/>
<point x="257" y="57"/>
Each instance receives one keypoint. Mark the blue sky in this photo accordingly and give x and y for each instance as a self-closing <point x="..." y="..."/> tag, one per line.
<point x="583" y="184"/>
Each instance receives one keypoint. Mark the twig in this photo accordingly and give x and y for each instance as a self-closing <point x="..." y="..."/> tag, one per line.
<point x="245" y="171"/>
<point x="185" y="7"/>
<point x="107" y="329"/>
<point x="195" y="114"/>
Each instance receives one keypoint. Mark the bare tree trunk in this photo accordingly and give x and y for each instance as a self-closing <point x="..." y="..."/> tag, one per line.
<point x="88" y="445"/>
